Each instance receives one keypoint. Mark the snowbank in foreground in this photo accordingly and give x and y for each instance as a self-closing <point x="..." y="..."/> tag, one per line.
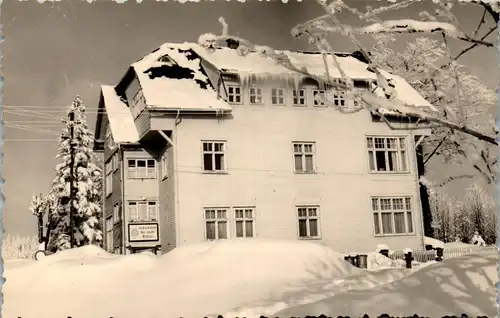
<point x="192" y="281"/>
<point x="459" y="285"/>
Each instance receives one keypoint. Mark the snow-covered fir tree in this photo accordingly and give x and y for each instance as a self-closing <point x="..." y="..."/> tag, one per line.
<point x="87" y="184"/>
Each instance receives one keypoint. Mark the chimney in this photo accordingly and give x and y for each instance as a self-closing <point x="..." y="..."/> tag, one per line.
<point x="232" y="44"/>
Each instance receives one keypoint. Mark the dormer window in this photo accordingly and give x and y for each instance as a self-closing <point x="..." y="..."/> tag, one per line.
<point x="166" y="60"/>
<point x="361" y="84"/>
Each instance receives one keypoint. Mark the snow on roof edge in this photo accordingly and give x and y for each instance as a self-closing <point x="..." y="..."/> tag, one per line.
<point x="120" y="118"/>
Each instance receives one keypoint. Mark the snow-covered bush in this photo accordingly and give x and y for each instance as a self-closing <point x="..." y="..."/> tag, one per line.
<point x="19" y="247"/>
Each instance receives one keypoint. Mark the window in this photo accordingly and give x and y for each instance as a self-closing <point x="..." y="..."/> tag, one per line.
<point x="277" y="96"/>
<point x="308" y="217"/>
<point x="213" y="156"/>
<point x="361" y="84"/>
<point x="244" y="222"/>
<point x="117" y="216"/>
<point x="392" y="215"/>
<point x="387" y="154"/>
<point x="255" y="95"/>
<point x="299" y="97"/>
<point x="109" y="234"/>
<point x="164" y="164"/>
<point x="234" y="94"/>
<point x="141" y="168"/>
<point x="316" y="92"/>
<point x="303" y="154"/>
<point x="142" y="211"/>
<point x="116" y="161"/>
<point x="109" y="177"/>
<point x="339" y="98"/>
<point x="166" y="60"/>
<point x="216" y="224"/>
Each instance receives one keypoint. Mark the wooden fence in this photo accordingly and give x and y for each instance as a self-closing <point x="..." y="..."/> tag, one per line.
<point x="423" y="256"/>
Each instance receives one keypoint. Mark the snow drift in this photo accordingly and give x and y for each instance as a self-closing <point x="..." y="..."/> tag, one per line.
<point x="455" y="286"/>
<point x="192" y="281"/>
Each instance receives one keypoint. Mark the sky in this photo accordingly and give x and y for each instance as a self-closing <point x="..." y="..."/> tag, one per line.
<point x="56" y="50"/>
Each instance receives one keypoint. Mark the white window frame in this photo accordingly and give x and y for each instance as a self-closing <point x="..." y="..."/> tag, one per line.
<point x="240" y="215"/>
<point x="256" y="95"/>
<point x="164" y="164"/>
<point x="401" y="152"/>
<point x="303" y="153"/>
<point x="117" y="216"/>
<point x="315" y="102"/>
<point x="212" y="152"/>
<point x="308" y="218"/>
<point x="109" y="177"/>
<point x="278" y="96"/>
<point x="299" y="97"/>
<point x="216" y="220"/>
<point x="147" y="173"/>
<point x="134" y="213"/>
<point x="339" y="98"/>
<point x="109" y="234"/>
<point x="232" y="95"/>
<point x="406" y="209"/>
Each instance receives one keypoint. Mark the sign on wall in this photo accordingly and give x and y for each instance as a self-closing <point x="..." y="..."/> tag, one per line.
<point x="145" y="232"/>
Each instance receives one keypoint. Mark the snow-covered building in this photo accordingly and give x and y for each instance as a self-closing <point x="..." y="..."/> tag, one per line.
<point x="205" y="144"/>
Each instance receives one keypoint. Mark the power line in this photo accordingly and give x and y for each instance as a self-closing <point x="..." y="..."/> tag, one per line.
<point x="29" y="140"/>
<point x="31" y="129"/>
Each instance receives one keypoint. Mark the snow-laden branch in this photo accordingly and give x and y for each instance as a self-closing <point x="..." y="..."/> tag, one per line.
<point x="391" y="26"/>
<point x="432" y="185"/>
<point x="371" y="101"/>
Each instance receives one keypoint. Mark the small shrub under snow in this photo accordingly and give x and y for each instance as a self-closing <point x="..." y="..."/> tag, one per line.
<point x="19" y="247"/>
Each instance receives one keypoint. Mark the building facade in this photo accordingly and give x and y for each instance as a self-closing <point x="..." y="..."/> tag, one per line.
<point x="198" y="148"/>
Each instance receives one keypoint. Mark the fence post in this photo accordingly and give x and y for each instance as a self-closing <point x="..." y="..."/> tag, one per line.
<point x="440" y="253"/>
<point x="408" y="259"/>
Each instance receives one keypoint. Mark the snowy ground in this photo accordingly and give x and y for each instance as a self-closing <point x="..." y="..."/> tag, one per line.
<point x="459" y="285"/>
<point x="235" y="277"/>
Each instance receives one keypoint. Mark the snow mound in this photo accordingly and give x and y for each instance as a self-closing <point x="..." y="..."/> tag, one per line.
<point x="88" y="252"/>
<point x="449" y="288"/>
<point x="377" y="261"/>
<point x="407" y="250"/>
<point x="433" y="242"/>
<point x="216" y="276"/>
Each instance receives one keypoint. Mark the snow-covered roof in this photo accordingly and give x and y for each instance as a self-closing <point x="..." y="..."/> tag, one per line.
<point x="120" y="118"/>
<point x="178" y="85"/>
<point x="158" y="92"/>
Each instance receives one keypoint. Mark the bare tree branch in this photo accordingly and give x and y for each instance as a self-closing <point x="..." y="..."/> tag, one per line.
<point x="480" y="23"/>
<point x="434" y="151"/>
<point x="430" y="184"/>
